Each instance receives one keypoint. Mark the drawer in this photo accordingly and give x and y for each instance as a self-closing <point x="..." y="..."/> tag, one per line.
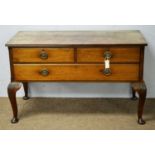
<point x="130" y="54"/>
<point x="75" y="72"/>
<point x="43" y="55"/>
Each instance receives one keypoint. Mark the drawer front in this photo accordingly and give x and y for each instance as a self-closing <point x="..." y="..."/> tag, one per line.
<point x="75" y="72"/>
<point x="130" y="54"/>
<point x="43" y="55"/>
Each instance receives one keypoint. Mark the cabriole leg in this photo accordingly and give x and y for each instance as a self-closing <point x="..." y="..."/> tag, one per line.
<point x="25" y="85"/>
<point x="134" y="97"/>
<point x="140" y="88"/>
<point x="13" y="87"/>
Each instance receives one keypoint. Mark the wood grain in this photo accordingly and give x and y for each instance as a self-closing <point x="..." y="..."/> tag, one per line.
<point x="33" y="54"/>
<point x="130" y="54"/>
<point x="82" y="72"/>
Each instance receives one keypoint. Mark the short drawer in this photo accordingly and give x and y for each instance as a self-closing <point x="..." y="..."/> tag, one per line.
<point x="129" y="55"/>
<point x="43" y="55"/>
<point x="75" y="72"/>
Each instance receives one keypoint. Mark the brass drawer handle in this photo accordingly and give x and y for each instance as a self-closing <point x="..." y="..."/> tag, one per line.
<point x="107" y="56"/>
<point x="107" y="71"/>
<point x="43" y="55"/>
<point x="44" y="72"/>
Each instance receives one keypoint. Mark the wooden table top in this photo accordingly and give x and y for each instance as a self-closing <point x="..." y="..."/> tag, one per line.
<point x="74" y="38"/>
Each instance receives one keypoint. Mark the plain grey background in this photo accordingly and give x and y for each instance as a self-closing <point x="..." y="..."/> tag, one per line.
<point x="79" y="89"/>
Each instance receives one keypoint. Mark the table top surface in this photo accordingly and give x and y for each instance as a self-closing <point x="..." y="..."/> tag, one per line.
<point x="74" y="38"/>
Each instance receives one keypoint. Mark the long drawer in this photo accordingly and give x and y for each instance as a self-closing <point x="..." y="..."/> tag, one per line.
<point x="75" y="72"/>
<point x="119" y="54"/>
<point x="42" y="55"/>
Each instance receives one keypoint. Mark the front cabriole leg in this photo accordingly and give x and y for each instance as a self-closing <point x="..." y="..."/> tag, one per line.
<point x="13" y="87"/>
<point x="140" y="88"/>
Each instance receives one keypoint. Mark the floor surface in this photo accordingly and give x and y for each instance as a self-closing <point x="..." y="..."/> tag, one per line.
<point x="76" y="114"/>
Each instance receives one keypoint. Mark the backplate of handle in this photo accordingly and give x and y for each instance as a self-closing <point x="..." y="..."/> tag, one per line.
<point x="44" y="72"/>
<point x="43" y="55"/>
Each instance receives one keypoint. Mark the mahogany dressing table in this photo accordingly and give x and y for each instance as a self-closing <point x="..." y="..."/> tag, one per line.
<point x="77" y="56"/>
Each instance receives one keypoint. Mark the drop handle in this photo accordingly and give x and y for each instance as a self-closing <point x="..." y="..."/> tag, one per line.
<point x="107" y="55"/>
<point x="44" y="72"/>
<point x="43" y="55"/>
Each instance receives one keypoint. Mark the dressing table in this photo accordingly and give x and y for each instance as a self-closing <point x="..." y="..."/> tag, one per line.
<point x="77" y="56"/>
